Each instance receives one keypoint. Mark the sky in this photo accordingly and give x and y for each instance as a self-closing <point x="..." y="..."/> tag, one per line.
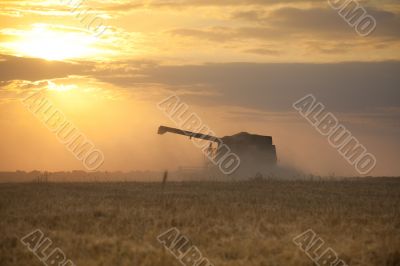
<point x="238" y="64"/>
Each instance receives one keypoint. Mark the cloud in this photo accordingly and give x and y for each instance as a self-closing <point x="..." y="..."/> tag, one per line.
<point x="215" y="34"/>
<point x="32" y="69"/>
<point x="328" y="22"/>
<point x="313" y="31"/>
<point x="288" y="22"/>
<point x="244" y="30"/>
<point x="202" y="3"/>
<point x="263" y="51"/>
<point x="357" y="86"/>
<point x="360" y="86"/>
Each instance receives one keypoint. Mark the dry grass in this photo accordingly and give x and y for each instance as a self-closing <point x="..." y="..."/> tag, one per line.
<point x="232" y="224"/>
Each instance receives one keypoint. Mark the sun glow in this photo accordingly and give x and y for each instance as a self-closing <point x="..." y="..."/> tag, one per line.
<point x="44" y="42"/>
<point x="60" y="88"/>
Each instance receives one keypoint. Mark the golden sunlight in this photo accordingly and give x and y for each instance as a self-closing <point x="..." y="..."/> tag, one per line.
<point x="53" y="44"/>
<point x="60" y="88"/>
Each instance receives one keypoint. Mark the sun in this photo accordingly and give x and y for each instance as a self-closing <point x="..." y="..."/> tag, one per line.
<point x="54" y="44"/>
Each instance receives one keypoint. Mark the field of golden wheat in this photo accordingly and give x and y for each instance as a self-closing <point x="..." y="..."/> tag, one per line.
<point x="242" y="223"/>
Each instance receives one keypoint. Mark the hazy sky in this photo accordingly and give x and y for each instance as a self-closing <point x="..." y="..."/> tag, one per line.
<point x="239" y="64"/>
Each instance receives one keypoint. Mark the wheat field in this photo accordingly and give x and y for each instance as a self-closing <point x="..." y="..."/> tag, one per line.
<point x="241" y="223"/>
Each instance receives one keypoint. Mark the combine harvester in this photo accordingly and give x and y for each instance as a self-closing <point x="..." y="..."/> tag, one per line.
<point x="256" y="153"/>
